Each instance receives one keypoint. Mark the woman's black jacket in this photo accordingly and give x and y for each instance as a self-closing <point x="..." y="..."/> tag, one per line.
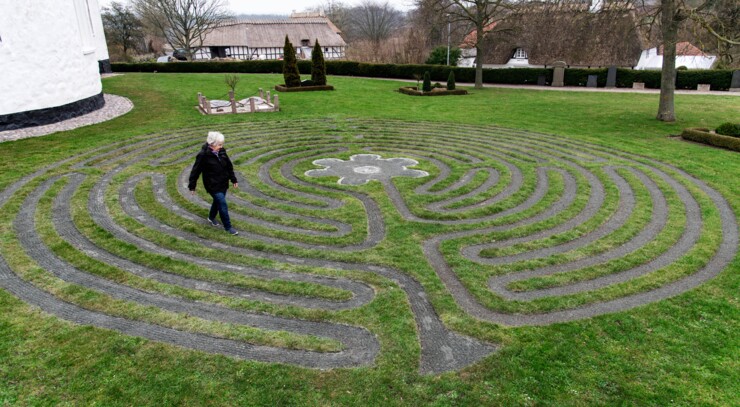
<point x="217" y="170"/>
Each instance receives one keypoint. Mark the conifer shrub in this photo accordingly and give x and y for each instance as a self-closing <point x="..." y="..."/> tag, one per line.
<point x="290" y="66"/>
<point x="427" y="86"/>
<point x="451" y="81"/>
<point x="318" y="67"/>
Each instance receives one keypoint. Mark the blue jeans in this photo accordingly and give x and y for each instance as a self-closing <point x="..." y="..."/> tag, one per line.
<point x="219" y="206"/>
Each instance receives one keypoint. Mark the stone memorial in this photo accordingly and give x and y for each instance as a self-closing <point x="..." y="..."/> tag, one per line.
<point x="703" y="87"/>
<point x="638" y="85"/>
<point x="558" y="74"/>
<point x="611" y="77"/>
<point x="592" y="81"/>
<point x="735" y="84"/>
<point x="542" y="80"/>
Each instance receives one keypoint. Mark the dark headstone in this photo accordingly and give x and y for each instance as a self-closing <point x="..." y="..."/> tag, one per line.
<point x="611" y="77"/>
<point x="542" y="80"/>
<point x="735" y="84"/>
<point x="591" y="83"/>
<point x="307" y="82"/>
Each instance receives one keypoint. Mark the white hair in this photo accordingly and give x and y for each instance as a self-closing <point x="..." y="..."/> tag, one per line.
<point x="214" y="137"/>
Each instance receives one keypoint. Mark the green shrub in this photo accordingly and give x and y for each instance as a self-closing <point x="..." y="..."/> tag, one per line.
<point x="290" y="66"/>
<point x="438" y="56"/>
<point x="427" y="86"/>
<point x="719" y="79"/>
<point x="318" y="67"/>
<point x="451" y="81"/>
<point x="729" y="129"/>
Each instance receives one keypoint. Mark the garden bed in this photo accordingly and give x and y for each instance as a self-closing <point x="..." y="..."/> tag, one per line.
<point x="704" y="136"/>
<point x="414" y="91"/>
<point x="283" y="88"/>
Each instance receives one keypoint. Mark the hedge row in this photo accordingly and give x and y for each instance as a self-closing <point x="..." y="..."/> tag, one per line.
<point x="718" y="79"/>
<point x="704" y="136"/>
<point x="411" y="90"/>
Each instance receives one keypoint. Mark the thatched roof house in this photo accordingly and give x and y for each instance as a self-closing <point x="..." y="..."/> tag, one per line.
<point x="264" y="39"/>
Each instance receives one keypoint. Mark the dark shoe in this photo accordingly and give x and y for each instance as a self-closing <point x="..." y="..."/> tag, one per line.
<point x="213" y="222"/>
<point x="233" y="231"/>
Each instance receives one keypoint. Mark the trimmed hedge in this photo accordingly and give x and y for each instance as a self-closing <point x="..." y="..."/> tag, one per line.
<point x="413" y="91"/>
<point x="311" y="88"/>
<point x="704" y="136"/>
<point x="719" y="79"/>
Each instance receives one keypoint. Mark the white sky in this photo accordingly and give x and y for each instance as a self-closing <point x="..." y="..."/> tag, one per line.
<point x="286" y="6"/>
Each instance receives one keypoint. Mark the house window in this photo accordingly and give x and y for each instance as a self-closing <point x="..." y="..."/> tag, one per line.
<point x="305" y="43"/>
<point x="520" y="54"/>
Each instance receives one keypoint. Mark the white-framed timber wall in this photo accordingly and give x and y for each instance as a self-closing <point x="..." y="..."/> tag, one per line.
<point x="49" y="59"/>
<point x="266" y="53"/>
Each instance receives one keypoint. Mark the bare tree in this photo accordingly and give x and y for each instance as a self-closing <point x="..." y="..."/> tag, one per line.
<point x="482" y="15"/>
<point x="183" y="23"/>
<point x="374" y="21"/>
<point x="336" y="11"/>
<point x="122" y="27"/>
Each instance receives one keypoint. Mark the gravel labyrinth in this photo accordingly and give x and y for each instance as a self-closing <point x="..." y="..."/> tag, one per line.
<point x="515" y="228"/>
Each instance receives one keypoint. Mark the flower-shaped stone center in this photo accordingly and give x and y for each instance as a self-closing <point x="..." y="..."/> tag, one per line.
<point x="361" y="168"/>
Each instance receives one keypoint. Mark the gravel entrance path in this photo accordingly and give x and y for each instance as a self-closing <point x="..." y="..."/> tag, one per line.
<point x="114" y="106"/>
<point x="491" y="207"/>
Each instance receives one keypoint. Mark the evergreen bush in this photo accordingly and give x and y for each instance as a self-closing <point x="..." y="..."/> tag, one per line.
<point x="438" y="56"/>
<point x="729" y="129"/>
<point x="451" y="81"/>
<point x="318" y="67"/>
<point x="290" y="65"/>
<point x="427" y="86"/>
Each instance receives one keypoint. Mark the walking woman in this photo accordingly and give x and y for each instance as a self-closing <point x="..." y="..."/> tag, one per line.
<point x="217" y="171"/>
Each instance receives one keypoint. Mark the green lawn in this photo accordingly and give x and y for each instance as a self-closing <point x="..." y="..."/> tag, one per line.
<point x="684" y="350"/>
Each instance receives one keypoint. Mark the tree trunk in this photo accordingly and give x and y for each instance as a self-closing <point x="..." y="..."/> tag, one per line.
<point x="669" y="29"/>
<point x="479" y="58"/>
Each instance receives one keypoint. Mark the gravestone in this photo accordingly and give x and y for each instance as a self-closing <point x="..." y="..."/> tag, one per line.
<point x="542" y="80"/>
<point x="703" y="87"/>
<point x="558" y="74"/>
<point x="592" y="81"/>
<point x="611" y="77"/>
<point x="735" y="84"/>
<point x="638" y="85"/>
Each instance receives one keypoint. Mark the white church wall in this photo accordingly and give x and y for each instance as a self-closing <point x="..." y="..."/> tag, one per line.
<point x="47" y="54"/>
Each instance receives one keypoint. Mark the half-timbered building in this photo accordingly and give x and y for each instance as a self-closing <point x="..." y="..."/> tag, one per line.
<point x="253" y="39"/>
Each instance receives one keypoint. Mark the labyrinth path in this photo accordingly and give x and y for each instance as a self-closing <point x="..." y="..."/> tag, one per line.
<point x="518" y="228"/>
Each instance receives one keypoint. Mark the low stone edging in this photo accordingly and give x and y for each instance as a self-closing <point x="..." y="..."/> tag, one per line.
<point x="283" y="88"/>
<point x="702" y="135"/>
<point x="411" y="90"/>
